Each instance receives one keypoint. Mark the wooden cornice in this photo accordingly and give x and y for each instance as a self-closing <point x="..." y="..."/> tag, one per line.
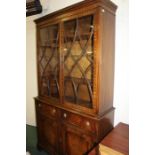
<point x="106" y="4"/>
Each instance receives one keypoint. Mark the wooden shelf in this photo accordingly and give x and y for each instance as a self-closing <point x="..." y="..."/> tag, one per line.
<point x="83" y="103"/>
<point x="77" y="80"/>
<point x="84" y="36"/>
<point x="48" y="46"/>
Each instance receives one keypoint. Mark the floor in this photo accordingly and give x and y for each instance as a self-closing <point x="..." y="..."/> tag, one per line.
<point x="31" y="141"/>
<point x="117" y="139"/>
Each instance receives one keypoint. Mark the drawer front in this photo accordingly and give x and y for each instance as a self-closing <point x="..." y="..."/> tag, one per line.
<point x="80" y="121"/>
<point x="47" y="110"/>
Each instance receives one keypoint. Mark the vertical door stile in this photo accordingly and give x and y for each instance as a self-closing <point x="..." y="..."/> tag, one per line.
<point x="61" y="61"/>
<point x="37" y="58"/>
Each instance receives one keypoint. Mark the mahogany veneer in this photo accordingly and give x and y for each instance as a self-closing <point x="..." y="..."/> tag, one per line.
<point x="75" y="63"/>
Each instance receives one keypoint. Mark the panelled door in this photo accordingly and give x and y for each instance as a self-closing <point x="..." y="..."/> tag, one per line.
<point x="75" y="142"/>
<point x="48" y="133"/>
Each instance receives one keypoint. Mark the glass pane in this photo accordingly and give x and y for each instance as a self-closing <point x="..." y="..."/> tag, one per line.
<point x="78" y="61"/>
<point x="49" y="61"/>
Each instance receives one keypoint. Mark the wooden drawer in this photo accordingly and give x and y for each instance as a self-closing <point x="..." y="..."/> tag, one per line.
<point x="80" y="121"/>
<point x="47" y="110"/>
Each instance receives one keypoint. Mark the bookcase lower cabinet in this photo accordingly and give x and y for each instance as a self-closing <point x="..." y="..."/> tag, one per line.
<point x="62" y="132"/>
<point x="60" y="137"/>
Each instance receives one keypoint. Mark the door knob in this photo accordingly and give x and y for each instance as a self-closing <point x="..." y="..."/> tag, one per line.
<point x="65" y="115"/>
<point x="88" y="123"/>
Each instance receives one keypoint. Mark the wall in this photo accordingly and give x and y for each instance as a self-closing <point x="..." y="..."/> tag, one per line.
<point x="121" y="99"/>
<point x="121" y="89"/>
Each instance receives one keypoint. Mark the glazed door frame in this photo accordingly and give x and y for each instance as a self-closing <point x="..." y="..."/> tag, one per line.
<point x="93" y="110"/>
<point x="60" y="22"/>
<point x="55" y="100"/>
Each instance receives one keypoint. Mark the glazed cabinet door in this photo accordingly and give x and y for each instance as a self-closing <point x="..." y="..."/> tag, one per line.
<point x="75" y="142"/>
<point x="48" y="61"/>
<point x="47" y="134"/>
<point x="78" y="42"/>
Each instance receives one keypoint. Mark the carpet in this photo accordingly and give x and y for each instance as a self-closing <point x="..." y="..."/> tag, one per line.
<point x="31" y="141"/>
<point x="104" y="150"/>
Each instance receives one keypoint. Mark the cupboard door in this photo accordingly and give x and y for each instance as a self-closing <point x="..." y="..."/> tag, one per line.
<point x="47" y="133"/>
<point x="78" y="60"/>
<point x="75" y="142"/>
<point x="48" y="61"/>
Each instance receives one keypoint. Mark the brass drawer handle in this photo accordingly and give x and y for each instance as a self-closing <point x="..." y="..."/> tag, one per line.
<point x="88" y="123"/>
<point x="53" y="111"/>
<point x="65" y="115"/>
<point x="65" y="49"/>
<point x="103" y="10"/>
<point x="91" y="26"/>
